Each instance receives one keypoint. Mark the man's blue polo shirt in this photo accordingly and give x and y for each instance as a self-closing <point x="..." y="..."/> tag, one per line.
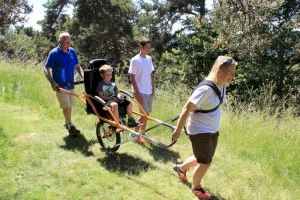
<point x="63" y="66"/>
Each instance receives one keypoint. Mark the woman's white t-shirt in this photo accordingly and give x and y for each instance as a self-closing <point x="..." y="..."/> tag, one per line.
<point x="205" y="98"/>
<point x="142" y="68"/>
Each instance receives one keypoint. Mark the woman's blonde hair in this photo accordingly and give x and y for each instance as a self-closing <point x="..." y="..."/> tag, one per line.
<point x="222" y="62"/>
<point x="105" y="68"/>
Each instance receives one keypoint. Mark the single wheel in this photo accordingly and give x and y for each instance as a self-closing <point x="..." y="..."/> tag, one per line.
<point x="161" y="133"/>
<point x="107" y="137"/>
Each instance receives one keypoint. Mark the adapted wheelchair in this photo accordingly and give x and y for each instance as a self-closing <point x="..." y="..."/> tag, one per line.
<point x="109" y="139"/>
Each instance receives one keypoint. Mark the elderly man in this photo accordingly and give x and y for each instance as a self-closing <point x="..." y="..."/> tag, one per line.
<point x="59" y="70"/>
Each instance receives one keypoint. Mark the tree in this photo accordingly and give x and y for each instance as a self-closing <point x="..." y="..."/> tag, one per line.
<point x="13" y="12"/>
<point x="55" y="18"/>
<point x="191" y="59"/>
<point x="265" y="37"/>
<point x="158" y="18"/>
<point x="104" y="29"/>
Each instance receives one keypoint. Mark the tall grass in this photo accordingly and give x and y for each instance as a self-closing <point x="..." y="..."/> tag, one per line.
<point x="24" y="84"/>
<point x="257" y="156"/>
<point x="266" y="102"/>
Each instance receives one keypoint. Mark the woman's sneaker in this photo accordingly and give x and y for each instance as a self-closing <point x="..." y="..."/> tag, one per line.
<point x="181" y="174"/>
<point x="201" y="193"/>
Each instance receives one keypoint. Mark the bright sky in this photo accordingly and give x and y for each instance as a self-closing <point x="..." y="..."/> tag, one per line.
<point x="39" y="12"/>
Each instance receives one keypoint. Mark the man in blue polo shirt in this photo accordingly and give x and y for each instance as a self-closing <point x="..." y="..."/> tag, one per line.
<point x="59" y="70"/>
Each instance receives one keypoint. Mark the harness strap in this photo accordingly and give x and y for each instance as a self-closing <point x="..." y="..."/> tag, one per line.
<point x="216" y="90"/>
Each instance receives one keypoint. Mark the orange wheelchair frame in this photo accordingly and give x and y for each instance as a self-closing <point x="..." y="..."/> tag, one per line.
<point x="109" y="124"/>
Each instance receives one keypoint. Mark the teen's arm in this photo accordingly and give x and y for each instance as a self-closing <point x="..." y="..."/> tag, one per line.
<point x="153" y="84"/>
<point x="137" y="94"/>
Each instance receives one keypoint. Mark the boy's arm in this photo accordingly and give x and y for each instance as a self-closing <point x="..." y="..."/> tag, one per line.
<point x="107" y="98"/>
<point x="102" y="96"/>
<point x="100" y="92"/>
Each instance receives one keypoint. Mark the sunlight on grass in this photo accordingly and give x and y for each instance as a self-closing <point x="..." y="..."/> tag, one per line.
<point x="257" y="156"/>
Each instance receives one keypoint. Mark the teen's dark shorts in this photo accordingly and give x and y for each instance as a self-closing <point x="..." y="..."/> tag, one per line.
<point x="204" y="146"/>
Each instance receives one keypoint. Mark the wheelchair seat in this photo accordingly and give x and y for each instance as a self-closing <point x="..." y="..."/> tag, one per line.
<point x="91" y="80"/>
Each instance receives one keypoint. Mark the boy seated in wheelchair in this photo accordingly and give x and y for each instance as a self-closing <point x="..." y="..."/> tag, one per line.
<point x="108" y="91"/>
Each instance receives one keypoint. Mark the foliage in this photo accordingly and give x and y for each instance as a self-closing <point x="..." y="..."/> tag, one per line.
<point x="264" y="37"/>
<point x="25" y="44"/>
<point x="104" y="29"/>
<point x="158" y="20"/>
<point x="55" y="18"/>
<point x="190" y="61"/>
<point x="17" y="46"/>
<point x="13" y="12"/>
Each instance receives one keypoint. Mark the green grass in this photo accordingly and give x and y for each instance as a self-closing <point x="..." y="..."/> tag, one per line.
<point x="257" y="156"/>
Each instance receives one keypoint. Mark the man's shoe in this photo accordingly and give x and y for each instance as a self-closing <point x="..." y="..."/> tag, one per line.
<point x="73" y="131"/>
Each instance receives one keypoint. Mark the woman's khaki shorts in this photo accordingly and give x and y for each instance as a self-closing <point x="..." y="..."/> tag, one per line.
<point x="204" y="146"/>
<point x="65" y="100"/>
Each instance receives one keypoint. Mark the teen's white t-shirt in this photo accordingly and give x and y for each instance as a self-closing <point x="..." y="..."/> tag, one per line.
<point x="142" y="68"/>
<point x="205" y="98"/>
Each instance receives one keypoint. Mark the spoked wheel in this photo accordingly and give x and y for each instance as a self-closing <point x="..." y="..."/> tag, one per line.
<point x="159" y="134"/>
<point x="107" y="137"/>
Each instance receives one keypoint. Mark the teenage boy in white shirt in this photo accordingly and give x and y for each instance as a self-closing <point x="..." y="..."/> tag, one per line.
<point x="141" y="76"/>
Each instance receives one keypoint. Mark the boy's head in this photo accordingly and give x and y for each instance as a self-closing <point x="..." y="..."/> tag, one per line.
<point x="145" y="46"/>
<point x="106" y="72"/>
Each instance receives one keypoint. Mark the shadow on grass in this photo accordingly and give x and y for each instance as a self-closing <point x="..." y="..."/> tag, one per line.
<point x="125" y="163"/>
<point x="144" y="184"/>
<point x="162" y="154"/>
<point x="79" y="143"/>
<point x="214" y="196"/>
<point x="2" y="135"/>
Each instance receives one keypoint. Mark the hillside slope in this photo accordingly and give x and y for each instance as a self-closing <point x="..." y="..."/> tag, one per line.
<point x="257" y="156"/>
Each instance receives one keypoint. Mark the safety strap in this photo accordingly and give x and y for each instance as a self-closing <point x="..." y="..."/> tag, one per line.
<point x="216" y="90"/>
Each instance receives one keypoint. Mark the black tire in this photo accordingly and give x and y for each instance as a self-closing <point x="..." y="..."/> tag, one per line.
<point x="162" y="132"/>
<point x="109" y="143"/>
